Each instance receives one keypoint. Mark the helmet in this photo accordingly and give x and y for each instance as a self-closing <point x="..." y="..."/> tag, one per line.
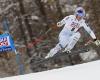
<point x="80" y="12"/>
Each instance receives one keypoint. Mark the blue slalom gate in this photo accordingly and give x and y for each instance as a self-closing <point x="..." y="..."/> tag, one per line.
<point x="7" y="44"/>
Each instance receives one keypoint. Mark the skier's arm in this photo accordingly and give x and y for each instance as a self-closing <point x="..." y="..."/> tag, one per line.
<point x="91" y="33"/>
<point x="87" y="28"/>
<point x="62" y="22"/>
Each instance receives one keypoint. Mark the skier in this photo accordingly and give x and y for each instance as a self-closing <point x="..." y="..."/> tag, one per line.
<point x="70" y="34"/>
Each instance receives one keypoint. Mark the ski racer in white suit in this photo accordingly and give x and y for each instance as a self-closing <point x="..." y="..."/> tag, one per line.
<point x="70" y="34"/>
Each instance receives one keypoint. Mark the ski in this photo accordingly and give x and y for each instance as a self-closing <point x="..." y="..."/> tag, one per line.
<point x="39" y="61"/>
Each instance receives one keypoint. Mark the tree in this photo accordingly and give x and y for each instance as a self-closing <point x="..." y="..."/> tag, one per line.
<point x="22" y="11"/>
<point x="94" y="17"/>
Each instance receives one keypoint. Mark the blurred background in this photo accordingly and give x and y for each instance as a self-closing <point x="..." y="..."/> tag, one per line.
<point x="32" y="23"/>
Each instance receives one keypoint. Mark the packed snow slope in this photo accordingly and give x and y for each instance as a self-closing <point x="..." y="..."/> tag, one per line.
<point x="86" y="71"/>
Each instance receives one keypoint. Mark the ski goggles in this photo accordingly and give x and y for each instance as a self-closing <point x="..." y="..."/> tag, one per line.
<point x="80" y="13"/>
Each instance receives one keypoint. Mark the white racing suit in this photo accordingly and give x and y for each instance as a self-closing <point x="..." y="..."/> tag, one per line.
<point x="69" y="35"/>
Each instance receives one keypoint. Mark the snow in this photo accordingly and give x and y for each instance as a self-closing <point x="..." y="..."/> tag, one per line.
<point x="86" y="71"/>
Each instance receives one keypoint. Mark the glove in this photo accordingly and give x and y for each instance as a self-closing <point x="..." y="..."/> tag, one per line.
<point x="97" y="42"/>
<point x="59" y="24"/>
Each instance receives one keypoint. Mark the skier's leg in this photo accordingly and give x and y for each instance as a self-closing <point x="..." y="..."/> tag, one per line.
<point x="63" y="41"/>
<point x="53" y="51"/>
<point x="73" y="40"/>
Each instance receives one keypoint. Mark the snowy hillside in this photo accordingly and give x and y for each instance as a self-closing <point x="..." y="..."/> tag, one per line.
<point x="86" y="71"/>
<point x="32" y="25"/>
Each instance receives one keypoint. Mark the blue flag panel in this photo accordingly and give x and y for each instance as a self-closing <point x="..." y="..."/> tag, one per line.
<point x="6" y="43"/>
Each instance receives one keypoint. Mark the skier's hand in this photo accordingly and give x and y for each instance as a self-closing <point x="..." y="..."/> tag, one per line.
<point x="97" y="42"/>
<point x="59" y="24"/>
